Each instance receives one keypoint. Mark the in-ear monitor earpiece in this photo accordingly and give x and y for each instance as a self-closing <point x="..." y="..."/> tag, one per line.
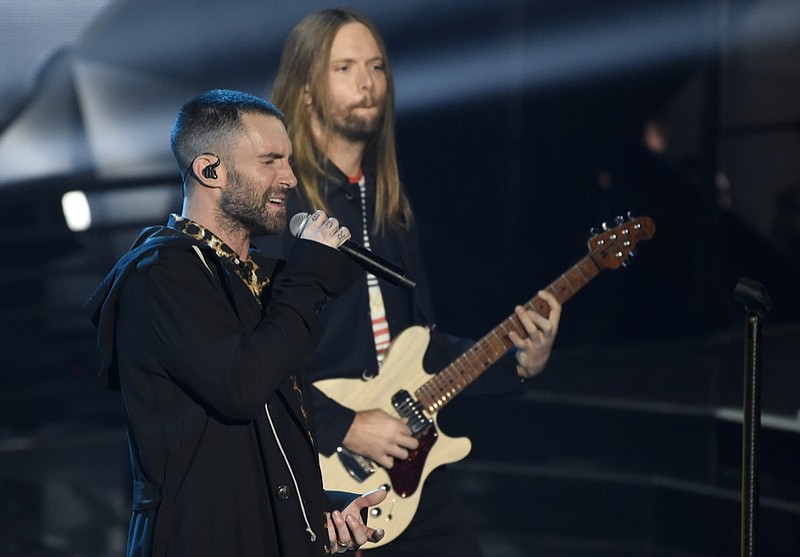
<point x="209" y="172"/>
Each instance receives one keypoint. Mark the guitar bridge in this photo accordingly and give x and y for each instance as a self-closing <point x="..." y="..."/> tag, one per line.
<point x="359" y="467"/>
<point x="409" y="408"/>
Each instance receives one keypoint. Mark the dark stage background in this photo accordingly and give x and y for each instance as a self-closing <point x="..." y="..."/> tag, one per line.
<point x="521" y="125"/>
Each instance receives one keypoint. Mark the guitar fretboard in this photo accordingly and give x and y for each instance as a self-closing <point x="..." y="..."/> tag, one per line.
<point x="453" y="379"/>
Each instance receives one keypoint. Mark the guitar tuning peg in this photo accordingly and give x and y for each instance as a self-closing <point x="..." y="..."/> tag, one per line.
<point x="619" y="219"/>
<point x="630" y="215"/>
<point x="604" y="226"/>
<point x="624" y="264"/>
<point x="632" y="253"/>
<point x="594" y="231"/>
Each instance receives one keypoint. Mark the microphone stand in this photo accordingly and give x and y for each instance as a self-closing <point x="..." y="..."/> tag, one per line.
<point x="757" y="303"/>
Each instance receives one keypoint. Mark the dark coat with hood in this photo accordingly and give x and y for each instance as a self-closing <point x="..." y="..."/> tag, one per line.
<point x="223" y="458"/>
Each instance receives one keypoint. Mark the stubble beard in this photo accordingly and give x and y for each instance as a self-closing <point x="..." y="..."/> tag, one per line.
<point x="355" y="128"/>
<point x="243" y="208"/>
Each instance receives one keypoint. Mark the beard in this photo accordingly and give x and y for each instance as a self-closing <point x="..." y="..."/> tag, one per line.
<point x="243" y="207"/>
<point x="355" y="128"/>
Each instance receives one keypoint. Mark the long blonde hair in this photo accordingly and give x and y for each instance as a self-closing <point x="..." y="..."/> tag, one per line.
<point x="304" y="63"/>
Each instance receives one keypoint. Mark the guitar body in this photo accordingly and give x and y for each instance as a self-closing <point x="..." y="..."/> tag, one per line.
<point x="401" y="370"/>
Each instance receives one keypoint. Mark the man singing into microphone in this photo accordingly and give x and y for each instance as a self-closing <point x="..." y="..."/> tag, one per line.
<point x="205" y="340"/>
<point x="335" y="86"/>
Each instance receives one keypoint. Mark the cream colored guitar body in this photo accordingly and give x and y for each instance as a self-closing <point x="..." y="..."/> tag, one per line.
<point x="402" y="369"/>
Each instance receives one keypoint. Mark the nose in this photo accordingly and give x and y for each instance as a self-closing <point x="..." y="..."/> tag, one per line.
<point x="288" y="180"/>
<point x="366" y="81"/>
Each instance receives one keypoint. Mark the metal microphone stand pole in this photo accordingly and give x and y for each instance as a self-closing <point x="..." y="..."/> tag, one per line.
<point x="757" y="303"/>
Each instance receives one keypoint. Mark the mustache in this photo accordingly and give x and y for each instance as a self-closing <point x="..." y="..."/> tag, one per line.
<point x="366" y="102"/>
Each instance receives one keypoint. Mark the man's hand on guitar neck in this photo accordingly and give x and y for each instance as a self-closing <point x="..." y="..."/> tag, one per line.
<point x="534" y="350"/>
<point x="379" y="437"/>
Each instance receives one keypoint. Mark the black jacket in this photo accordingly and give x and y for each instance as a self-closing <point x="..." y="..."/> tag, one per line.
<point x="199" y="362"/>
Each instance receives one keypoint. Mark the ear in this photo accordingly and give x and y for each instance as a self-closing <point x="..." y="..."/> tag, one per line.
<point x="307" y="98"/>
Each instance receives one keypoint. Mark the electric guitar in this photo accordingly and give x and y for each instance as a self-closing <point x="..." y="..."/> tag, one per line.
<point x="403" y="388"/>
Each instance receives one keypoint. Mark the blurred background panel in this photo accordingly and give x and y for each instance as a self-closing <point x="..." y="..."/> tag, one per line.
<point x="522" y="125"/>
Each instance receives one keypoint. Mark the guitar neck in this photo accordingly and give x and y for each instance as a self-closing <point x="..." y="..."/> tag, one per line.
<point x="465" y="369"/>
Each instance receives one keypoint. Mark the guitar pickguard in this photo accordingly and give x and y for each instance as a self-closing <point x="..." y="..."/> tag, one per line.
<point x="406" y="474"/>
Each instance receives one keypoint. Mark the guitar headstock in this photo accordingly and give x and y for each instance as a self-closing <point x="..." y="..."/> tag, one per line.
<point x="611" y="247"/>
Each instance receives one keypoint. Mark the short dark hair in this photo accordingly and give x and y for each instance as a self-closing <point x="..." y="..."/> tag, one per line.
<point x="208" y="122"/>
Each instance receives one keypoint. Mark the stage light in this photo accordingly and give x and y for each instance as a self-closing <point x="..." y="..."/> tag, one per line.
<point x="76" y="209"/>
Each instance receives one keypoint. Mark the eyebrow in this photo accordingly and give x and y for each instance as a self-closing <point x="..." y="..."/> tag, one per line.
<point x="340" y="60"/>
<point x="272" y="155"/>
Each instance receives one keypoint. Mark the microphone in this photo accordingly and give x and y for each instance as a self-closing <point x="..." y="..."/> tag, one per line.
<point x="369" y="261"/>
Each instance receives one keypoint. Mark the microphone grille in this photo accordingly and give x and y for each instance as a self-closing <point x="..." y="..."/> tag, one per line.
<point x="297" y="222"/>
